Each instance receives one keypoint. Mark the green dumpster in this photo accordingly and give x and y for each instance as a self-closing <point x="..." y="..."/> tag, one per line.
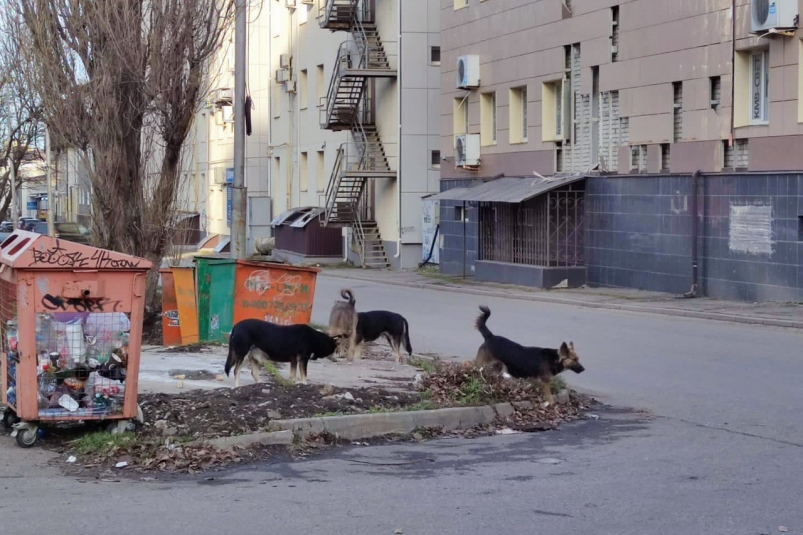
<point x="215" y="283"/>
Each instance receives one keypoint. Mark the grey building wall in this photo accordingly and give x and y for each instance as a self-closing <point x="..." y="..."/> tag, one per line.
<point x="750" y="244"/>
<point x="452" y="259"/>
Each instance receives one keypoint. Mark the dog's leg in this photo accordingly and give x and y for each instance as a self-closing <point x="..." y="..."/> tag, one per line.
<point x="237" y="368"/>
<point x="358" y="351"/>
<point x="395" y="345"/>
<point x="546" y="390"/>
<point x="303" y="369"/>
<point x="254" y="369"/>
<point x="293" y="367"/>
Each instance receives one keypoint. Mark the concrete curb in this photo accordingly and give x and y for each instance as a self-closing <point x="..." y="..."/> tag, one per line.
<point x="678" y="312"/>
<point x="273" y="438"/>
<point x="362" y="426"/>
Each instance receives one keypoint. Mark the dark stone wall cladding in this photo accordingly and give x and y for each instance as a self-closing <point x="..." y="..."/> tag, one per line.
<point x="750" y="243"/>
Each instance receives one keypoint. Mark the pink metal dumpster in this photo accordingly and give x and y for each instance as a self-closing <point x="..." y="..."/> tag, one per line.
<point x="71" y="333"/>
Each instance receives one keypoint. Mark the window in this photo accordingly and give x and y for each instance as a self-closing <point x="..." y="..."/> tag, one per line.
<point x="435" y="55"/>
<point x="615" y="33"/>
<point x="488" y="119"/>
<point x="303" y="169"/>
<point x="459" y="4"/>
<point x="555" y="109"/>
<point x="715" y="91"/>
<point x="759" y="86"/>
<point x="277" y="98"/>
<point x="319" y="170"/>
<point x="460" y="115"/>
<point x="277" y="19"/>
<point x="321" y="85"/>
<point x="518" y="115"/>
<point x="435" y="158"/>
<point x="458" y="213"/>
<point x="277" y="169"/>
<point x="302" y="89"/>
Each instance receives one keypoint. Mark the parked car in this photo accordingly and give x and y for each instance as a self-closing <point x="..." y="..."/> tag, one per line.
<point x="69" y="231"/>
<point x="6" y="226"/>
<point x="27" y="223"/>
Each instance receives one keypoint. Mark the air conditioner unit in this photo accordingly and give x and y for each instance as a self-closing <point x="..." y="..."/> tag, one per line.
<point x="468" y="72"/>
<point x="290" y="86"/>
<point x="308" y="2"/>
<point x="290" y="3"/>
<point x="228" y="114"/>
<point x="766" y="15"/>
<point x="284" y="60"/>
<point x="219" y="176"/>
<point x="282" y="75"/>
<point x="222" y="96"/>
<point x="467" y="150"/>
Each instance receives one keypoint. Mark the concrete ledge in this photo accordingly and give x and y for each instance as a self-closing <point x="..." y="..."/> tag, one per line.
<point x="273" y="438"/>
<point x="360" y="426"/>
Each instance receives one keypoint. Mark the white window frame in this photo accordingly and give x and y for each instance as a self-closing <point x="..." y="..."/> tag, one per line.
<point x="759" y="111"/>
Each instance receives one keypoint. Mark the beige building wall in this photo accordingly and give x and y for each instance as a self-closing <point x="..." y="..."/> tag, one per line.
<point x="298" y="145"/>
<point x="651" y="86"/>
<point x="210" y="147"/>
<point x="302" y="153"/>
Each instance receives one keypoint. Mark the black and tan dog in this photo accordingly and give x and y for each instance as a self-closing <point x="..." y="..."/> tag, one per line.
<point x="343" y="322"/>
<point x="371" y="325"/>
<point x="258" y="341"/>
<point x="522" y="362"/>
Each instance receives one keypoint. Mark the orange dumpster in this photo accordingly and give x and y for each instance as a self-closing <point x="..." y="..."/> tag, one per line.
<point x="171" y="327"/>
<point x="272" y="292"/>
<point x="184" y="282"/>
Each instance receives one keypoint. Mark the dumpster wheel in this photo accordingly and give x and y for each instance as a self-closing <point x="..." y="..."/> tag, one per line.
<point x="27" y="434"/>
<point x="9" y="418"/>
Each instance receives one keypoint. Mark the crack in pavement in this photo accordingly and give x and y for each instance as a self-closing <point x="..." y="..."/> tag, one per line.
<point x="733" y="431"/>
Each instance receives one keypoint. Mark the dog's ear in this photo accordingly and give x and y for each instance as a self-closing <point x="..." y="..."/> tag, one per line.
<point x="571" y="346"/>
<point x="564" y="349"/>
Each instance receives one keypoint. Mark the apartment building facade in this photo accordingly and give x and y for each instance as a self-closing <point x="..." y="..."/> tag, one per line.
<point x="625" y="99"/>
<point x="354" y="119"/>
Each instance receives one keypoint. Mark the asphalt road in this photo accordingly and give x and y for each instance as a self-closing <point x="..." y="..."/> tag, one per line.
<point x="711" y="443"/>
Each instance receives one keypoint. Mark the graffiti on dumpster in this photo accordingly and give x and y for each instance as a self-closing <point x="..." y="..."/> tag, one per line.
<point x="56" y="302"/>
<point x="58" y="256"/>
<point x="259" y="282"/>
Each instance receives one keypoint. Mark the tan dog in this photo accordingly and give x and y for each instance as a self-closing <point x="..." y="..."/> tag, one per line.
<point x="343" y="323"/>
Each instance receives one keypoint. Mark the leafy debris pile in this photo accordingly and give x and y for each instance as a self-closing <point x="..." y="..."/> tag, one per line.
<point x="234" y="411"/>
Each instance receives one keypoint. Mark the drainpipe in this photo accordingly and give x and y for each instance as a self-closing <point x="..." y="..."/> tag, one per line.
<point x="464" y="239"/>
<point x="694" y="236"/>
<point x="733" y="72"/>
<point x="399" y="118"/>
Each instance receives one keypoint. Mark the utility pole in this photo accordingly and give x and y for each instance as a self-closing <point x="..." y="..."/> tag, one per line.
<point x="13" y="179"/>
<point x="50" y="203"/>
<point x="237" y="242"/>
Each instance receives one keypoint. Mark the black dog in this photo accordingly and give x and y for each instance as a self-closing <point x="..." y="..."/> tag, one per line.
<point x="257" y="341"/>
<point x="524" y="362"/>
<point x="372" y="325"/>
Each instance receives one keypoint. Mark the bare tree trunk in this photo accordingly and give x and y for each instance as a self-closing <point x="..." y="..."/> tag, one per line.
<point x="124" y="78"/>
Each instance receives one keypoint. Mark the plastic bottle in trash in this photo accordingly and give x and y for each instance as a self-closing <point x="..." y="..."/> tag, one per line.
<point x="11" y="394"/>
<point x="11" y="334"/>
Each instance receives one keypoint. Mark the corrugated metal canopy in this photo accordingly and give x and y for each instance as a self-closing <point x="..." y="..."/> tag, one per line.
<point x="507" y="190"/>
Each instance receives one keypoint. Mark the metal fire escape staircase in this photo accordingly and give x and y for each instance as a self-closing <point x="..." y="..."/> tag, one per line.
<point x="348" y="106"/>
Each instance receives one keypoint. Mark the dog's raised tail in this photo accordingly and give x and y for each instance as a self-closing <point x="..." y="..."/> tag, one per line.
<point x="480" y="323"/>
<point x="407" y="345"/>
<point x="348" y="295"/>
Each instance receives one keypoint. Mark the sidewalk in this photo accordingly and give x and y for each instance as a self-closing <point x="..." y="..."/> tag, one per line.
<point x="788" y="315"/>
<point x="172" y="372"/>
